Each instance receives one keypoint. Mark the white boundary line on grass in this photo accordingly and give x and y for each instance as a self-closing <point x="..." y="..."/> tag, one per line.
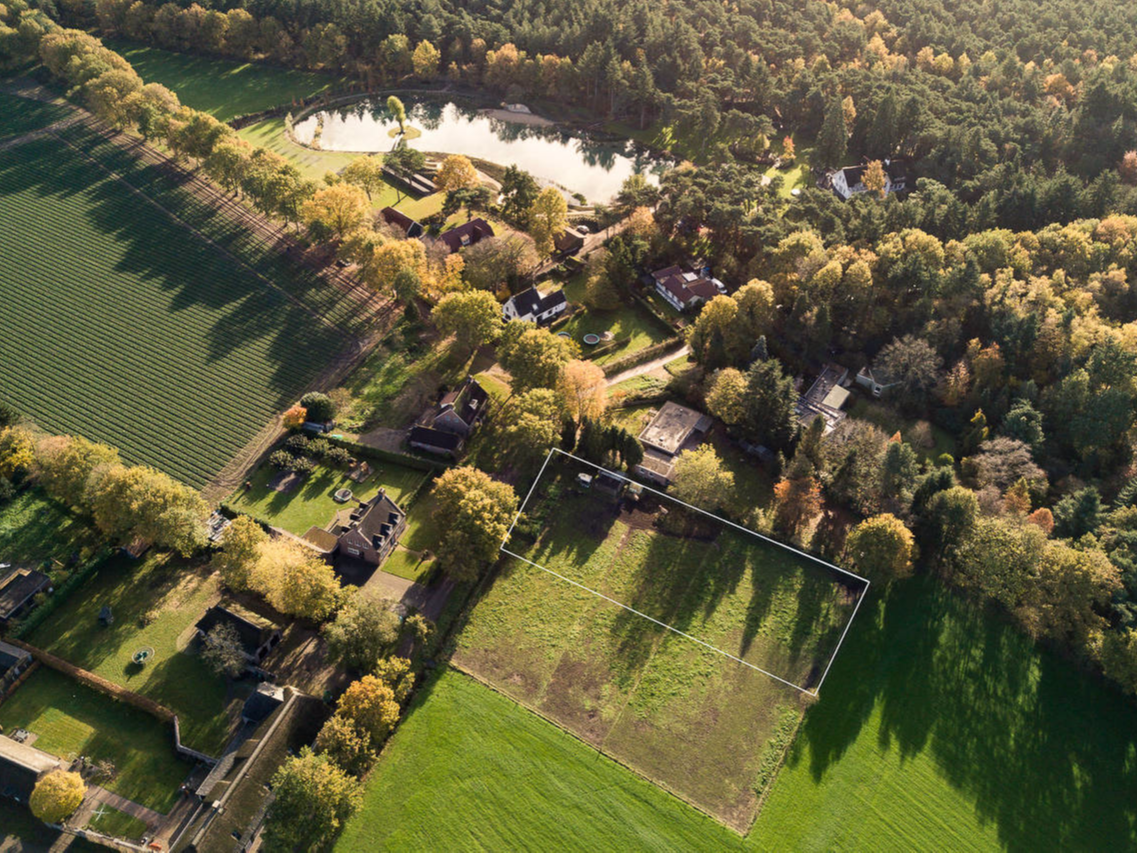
<point x="764" y="538"/>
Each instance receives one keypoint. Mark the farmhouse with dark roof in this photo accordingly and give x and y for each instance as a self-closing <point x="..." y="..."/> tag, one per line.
<point x="533" y="307"/>
<point x="684" y="288"/>
<point x="467" y="234"/>
<point x="444" y="428"/>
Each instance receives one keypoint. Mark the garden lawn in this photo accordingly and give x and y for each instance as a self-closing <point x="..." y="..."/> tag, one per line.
<point x="314" y="164"/>
<point x="71" y="719"/>
<point x="469" y="769"/>
<point x="628" y="321"/>
<point x="36" y="529"/>
<point x="642" y="694"/>
<point x="132" y="331"/>
<point x="311" y="503"/>
<point x="155" y="602"/>
<point x="116" y="823"/>
<point x="20" y="115"/>
<point x="224" y="88"/>
<point x="400" y="379"/>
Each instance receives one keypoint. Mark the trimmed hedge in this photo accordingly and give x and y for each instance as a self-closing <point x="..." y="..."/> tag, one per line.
<point x="363" y="451"/>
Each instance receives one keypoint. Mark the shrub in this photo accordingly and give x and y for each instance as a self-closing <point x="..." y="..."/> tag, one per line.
<point x="7" y="490"/>
<point x="318" y="448"/>
<point x="320" y="406"/>
<point x="338" y="457"/>
<point x="297" y="445"/>
<point x="56" y="796"/>
<point x="303" y="466"/>
<point x="282" y="460"/>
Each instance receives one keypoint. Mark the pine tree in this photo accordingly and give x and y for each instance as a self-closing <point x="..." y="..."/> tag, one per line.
<point x="832" y="142"/>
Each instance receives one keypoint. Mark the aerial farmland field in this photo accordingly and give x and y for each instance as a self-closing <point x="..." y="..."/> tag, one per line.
<point x="708" y="724"/>
<point x="121" y="325"/>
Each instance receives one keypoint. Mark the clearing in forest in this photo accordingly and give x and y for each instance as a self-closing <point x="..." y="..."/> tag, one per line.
<point x="703" y="717"/>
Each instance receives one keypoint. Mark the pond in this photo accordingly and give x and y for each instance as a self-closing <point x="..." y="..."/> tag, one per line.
<point x="594" y="168"/>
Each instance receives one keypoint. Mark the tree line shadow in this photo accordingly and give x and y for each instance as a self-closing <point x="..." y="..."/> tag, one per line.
<point x="1045" y="751"/>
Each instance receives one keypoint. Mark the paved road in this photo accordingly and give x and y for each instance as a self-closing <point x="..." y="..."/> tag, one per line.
<point x="648" y="366"/>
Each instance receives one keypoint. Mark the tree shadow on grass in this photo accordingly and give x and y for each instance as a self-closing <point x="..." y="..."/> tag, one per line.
<point x="1042" y="749"/>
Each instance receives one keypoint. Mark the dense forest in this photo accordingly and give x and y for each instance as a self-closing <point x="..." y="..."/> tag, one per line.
<point x="1009" y="115"/>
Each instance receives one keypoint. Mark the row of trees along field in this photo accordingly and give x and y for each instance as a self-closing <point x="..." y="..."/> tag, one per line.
<point x="1015" y="118"/>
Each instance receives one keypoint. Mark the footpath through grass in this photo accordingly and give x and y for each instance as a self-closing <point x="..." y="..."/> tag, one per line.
<point x="224" y="88"/>
<point x="155" y="603"/>
<point x="131" y="331"/>
<point x="71" y="719"/>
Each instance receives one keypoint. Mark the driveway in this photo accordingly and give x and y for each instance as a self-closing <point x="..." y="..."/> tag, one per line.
<point x="648" y="366"/>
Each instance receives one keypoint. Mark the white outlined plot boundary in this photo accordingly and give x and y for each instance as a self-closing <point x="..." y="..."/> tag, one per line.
<point x="814" y="692"/>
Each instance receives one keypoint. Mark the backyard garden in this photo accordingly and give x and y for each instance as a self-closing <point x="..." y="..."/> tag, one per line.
<point x="154" y="603"/>
<point x="70" y="719"/>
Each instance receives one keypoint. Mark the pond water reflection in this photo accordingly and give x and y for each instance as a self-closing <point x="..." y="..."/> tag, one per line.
<point x="594" y="168"/>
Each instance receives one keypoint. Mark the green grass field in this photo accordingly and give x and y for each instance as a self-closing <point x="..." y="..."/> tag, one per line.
<point x="71" y="719"/>
<point x="940" y="727"/>
<point x="155" y="602"/>
<point x="471" y="770"/>
<point x="19" y="115"/>
<point x="35" y="529"/>
<point x="315" y="164"/>
<point x="223" y="88"/>
<point x="130" y="330"/>
<point x="639" y="692"/>
<point x="311" y="502"/>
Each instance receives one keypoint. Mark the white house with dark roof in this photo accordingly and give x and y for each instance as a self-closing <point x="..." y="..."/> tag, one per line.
<point x="849" y="181"/>
<point x="534" y="307"/>
<point x="684" y="288"/>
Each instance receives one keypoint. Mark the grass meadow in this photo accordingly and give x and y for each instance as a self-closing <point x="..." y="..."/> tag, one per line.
<point x="155" y="602"/>
<point x="940" y="727"/>
<point x="71" y="719"/>
<point x="35" y="529"/>
<point x="130" y="330"/>
<point x="640" y="693"/>
<point x="469" y="769"/>
<point x="224" y="88"/>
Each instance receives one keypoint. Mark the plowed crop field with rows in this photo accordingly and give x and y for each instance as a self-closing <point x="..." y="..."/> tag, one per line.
<point x="120" y="324"/>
